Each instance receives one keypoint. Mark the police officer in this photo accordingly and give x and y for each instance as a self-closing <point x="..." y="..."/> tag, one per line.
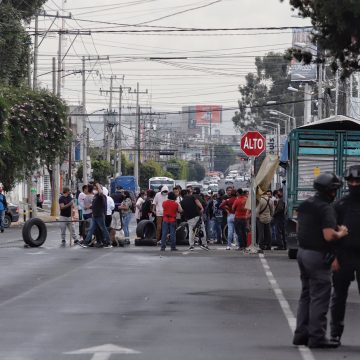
<point x="347" y="262"/>
<point x="317" y="229"/>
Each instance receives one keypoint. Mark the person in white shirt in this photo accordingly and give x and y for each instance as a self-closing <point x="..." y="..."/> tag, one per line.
<point x="81" y="208"/>
<point x="139" y="202"/>
<point x="105" y="190"/>
<point x="159" y="198"/>
<point x="110" y="206"/>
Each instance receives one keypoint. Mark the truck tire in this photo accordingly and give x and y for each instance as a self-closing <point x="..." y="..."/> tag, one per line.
<point x="145" y="230"/>
<point x="7" y="221"/>
<point x="182" y="234"/>
<point x="145" y="242"/>
<point x="27" y="236"/>
<point x="292" y="254"/>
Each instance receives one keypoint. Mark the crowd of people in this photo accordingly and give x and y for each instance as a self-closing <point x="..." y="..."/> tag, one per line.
<point x="222" y="217"/>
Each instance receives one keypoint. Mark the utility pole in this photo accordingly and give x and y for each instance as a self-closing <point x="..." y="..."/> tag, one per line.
<point x="55" y="185"/>
<point x="307" y="104"/>
<point x="137" y="136"/>
<point x="117" y="162"/>
<point x="320" y="92"/>
<point x="36" y="52"/>
<point x="84" y="113"/>
<point x="84" y="133"/>
<point x="107" y="131"/>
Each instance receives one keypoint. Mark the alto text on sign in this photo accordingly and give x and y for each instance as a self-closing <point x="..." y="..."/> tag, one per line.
<point x="253" y="143"/>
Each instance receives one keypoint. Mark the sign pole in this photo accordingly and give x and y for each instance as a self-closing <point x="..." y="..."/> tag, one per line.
<point x="253" y="144"/>
<point x="253" y="247"/>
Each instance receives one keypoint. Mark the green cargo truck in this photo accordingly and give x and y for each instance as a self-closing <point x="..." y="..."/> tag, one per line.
<point x="330" y="144"/>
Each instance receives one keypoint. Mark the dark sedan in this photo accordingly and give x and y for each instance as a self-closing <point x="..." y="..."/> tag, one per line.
<point x="11" y="215"/>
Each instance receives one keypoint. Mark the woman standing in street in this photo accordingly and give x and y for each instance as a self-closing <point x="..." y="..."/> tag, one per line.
<point x="126" y="212"/>
<point x="139" y="203"/>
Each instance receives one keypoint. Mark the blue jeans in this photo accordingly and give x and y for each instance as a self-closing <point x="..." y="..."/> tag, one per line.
<point x="126" y="221"/>
<point x="168" y="226"/>
<point x="218" y="230"/>
<point x="230" y="224"/>
<point x="100" y="223"/>
<point x="2" y="218"/>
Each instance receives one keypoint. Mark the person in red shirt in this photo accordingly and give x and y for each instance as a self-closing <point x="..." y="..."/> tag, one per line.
<point x="171" y="209"/>
<point x="227" y="206"/>
<point x="241" y="218"/>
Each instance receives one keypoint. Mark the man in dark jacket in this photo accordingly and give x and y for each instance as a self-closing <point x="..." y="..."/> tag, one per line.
<point x="346" y="267"/>
<point x="99" y="206"/>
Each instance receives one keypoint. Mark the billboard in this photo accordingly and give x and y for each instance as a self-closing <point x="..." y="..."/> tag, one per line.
<point x="301" y="39"/>
<point x="208" y="114"/>
<point x="202" y="115"/>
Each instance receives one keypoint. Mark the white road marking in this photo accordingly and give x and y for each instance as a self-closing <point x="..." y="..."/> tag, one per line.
<point x="305" y="352"/>
<point x="103" y="352"/>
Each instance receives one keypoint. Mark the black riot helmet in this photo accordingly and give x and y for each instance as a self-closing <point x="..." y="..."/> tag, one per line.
<point x="352" y="172"/>
<point x="327" y="182"/>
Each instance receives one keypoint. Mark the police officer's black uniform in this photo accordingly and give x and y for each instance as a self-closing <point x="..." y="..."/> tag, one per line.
<point x="347" y="253"/>
<point x="314" y="215"/>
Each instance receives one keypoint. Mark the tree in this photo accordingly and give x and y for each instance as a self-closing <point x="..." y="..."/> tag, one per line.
<point x="101" y="171"/>
<point x="26" y="9"/>
<point x="196" y="171"/>
<point x="178" y="169"/>
<point x="14" y="47"/>
<point x="336" y="31"/>
<point x="224" y="156"/>
<point x="34" y="132"/>
<point x="149" y="169"/>
<point x="269" y="83"/>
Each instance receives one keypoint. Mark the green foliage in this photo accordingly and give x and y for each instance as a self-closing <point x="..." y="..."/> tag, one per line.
<point x="101" y="171"/>
<point x="149" y="169"/>
<point x="14" y="47"/>
<point x="196" y="171"/>
<point x="224" y="156"/>
<point x="336" y="30"/>
<point x="25" y="9"/>
<point x="269" y="83"/>
<point x="34" y="132"/>
<point x="181" y="172"/>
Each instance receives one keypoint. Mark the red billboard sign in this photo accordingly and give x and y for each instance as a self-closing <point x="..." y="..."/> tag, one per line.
<point x="253" y="143"/>
<point x="206" y="114"/>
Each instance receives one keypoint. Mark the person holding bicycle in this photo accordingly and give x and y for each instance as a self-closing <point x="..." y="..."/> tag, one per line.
<point x="192" y="210"/>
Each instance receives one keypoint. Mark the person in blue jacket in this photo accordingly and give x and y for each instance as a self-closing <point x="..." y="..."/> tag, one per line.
<point x="3" y="207"/>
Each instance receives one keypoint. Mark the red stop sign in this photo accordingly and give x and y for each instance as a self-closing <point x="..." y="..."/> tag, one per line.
<point x="252" y="143"/>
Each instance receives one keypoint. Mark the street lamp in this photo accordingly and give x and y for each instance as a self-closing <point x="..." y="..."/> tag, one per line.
<point x="290" y="118"/>
<point x="307" y="101"/>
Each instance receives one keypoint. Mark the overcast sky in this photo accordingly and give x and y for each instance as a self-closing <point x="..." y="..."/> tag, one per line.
<point x="216" y="61"/>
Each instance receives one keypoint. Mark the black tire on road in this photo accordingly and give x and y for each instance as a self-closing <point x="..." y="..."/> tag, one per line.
<point x="146" y="230"/>
<point x="27" y="236"/>
<point x="292" y="253"/>
<point x="7" y="221"/>
<point x="145" y="242"/>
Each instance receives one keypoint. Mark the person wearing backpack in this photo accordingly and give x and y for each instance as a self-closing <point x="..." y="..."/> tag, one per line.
<point x="264" y="213"/>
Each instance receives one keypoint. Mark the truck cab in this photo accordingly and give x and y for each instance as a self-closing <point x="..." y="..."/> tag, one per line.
<point x="331" y="144"/>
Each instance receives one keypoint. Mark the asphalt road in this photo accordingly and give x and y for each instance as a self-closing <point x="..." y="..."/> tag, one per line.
<point x="67" y="303"/>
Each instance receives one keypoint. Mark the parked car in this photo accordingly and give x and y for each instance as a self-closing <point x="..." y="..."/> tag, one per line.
<point x="11" y="215"/>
